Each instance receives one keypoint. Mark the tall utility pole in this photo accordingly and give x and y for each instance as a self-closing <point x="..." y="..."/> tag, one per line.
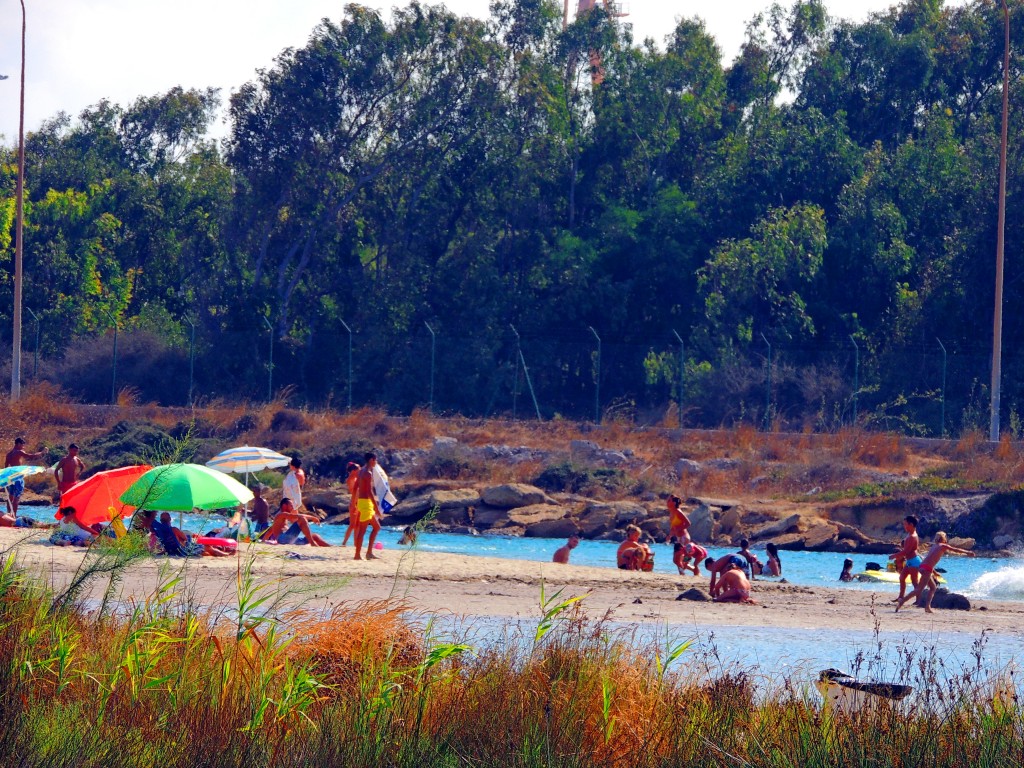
<point x="19" y="243"/>
<point x="997" y="321"/>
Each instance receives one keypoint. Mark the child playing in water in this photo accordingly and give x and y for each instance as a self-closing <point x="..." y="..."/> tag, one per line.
<point x="927" y="570"/>
<point x="683" y="553"/>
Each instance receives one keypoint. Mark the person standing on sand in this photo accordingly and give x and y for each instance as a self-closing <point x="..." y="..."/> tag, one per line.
<point x="678" y="522"/>
<point x="927" y="570"/>
<point x="293" y="483"/>
<point x="367" y="506"/>
<point x="562" y="553"/>
<point x="908" y="553"/>
<point x="68" y="469"/>
<point x="14" y="458"/>
<point x="733" y="586"/>
<point x="353" y="513"/>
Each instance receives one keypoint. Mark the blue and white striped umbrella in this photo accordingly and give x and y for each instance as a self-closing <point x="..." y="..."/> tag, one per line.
<point x="245" y="460"/>
<point x="9" y="474"/>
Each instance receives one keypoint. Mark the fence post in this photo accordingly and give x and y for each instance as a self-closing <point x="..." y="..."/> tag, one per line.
<point x="526" y="374"/>
<point x="349" y="330"/>
<point x="682" y="370"/>
<point x="942" y="392"/>
<point x="856" y="377"/>
<point x="768" y="389"/>
<point x="35" y="358"/>
<point x="515" y="376"/>
<point x="270" y="363"/>
<point x="433" y="347"/>
<point x="191" y="359"/>
<point x="597" y="378"/>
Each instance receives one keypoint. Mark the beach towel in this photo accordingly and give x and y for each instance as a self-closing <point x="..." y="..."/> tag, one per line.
<point x="382" y="490"/>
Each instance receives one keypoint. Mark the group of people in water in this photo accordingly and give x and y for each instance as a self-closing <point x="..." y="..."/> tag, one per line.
<point x="732" y="573"/>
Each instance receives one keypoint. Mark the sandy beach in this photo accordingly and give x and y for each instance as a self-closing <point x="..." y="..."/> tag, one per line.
<point x="469" y="586"/>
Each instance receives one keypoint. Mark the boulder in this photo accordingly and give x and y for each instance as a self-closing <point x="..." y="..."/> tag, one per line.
<point x="586" y="449"/>
<point x="552" y="529"/>
<point x="465" y="497"/>
<point x="334" y="501"/>
<point x="445" y="442"/>
<point x="597" y="520"/>
<point x="656" y="528"/>
<point x="821" y="537"/>
<point x="729" y="520"/>
<point x="535" y="513"/>
<point x="412" y="508"/>
<point x="453" y="516"/>
<point x="850" y="532"/>
<point x="714" y="502"/>
<point x="687" y="467"/>
<point x="514" y="495"/>
<point x="723" y="465"/>
<point x="963" y="542"/>
<point x="489" y="517"/>
<point x="703" y="527"/>
<point x="697" y="595"/>
<point x="1003" y="541"/>
<point x="779" y="527"/>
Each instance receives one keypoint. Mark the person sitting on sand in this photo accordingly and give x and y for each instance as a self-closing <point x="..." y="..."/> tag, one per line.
<point x="733" y="586"/>
<point x="717" y="567"/>
<point x="632" y="555"/>
<point x="847" y="574"/>
<point x="928" y="580"/>
<point x="296" y="523"/>
<point x="682" y="554"/>
<point x="408" y="537"/>
<point x="71" y="532"/>
<point x="678" y="522"/>
<point x="908" y="554"/>
<point x="562" y="553"/>
<point x="177" y="543"/>
<point x="353" y="511"/>
<point x="774" y="565"/>
<point x="753" y="565"/>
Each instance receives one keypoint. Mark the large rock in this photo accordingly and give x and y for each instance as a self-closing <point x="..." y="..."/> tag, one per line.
<point x="821" y="537"/>
<point x="703" y="527"/>
<point x="454" y="516"/>
<point x="333" y="501"/>
<point x="412" y="508"/>
<point x="535" y="513"/>
<point x="779" y="527"/>
<point x="465" y="497"/>
<point x="1003" y="541"/>
<point x="489" y="517"/>
<point x="552" y="529"/>
<point x="963" y="542"/>
<point x="695" y="594"/>
<point x="947" y="600"/>
<point x="514" y="495"/>
<point x="597" y="520"/>
<point x="687" y="467"/>
<point x="729" y="520"/>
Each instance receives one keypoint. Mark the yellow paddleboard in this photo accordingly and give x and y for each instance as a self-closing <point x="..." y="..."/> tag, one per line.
<point x="886" y="577"/>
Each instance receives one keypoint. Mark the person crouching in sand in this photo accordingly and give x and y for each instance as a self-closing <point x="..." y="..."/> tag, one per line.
<point x="632" y="555"/>
<point x="927" y="570"/>
<point x="682" y="554"/>
<point x="733" y="585"/>
<point x="562" y="553"/>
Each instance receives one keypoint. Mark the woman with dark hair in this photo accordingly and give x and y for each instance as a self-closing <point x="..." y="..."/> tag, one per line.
<point x="774" y="565"/>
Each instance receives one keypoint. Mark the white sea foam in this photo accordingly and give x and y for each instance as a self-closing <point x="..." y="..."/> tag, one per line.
<point x="1005" y="584"/>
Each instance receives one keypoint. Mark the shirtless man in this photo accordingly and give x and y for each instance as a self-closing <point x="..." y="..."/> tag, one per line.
<point x="68" y="470"/>
<point x="14" y="458"/>
<point x="367" y="506"/>
<point x="718" y="567"/>
<point x="754" y="566"/>
<point x="287" y="515"/>
<point x="733" y="586"/>
<point x="908" y="554"/>
<point x="260" y="514"/>
<point x="632" y="555"/>
<point x="562" y="553"/>
<point x="678" y="522"/>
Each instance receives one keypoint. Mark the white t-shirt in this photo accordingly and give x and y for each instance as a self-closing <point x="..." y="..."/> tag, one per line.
<point x="290" y="488"/>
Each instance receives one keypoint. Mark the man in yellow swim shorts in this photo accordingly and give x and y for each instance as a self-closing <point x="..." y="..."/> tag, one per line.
<point x="367" y="507"/>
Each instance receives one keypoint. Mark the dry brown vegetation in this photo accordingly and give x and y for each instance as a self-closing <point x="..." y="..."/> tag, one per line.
<point x="771" y="464"/>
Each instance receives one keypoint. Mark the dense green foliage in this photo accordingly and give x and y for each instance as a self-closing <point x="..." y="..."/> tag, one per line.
<point x="835" y="185"/>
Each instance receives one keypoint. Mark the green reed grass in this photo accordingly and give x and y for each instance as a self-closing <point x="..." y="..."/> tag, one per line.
<point x="165" y="683"/>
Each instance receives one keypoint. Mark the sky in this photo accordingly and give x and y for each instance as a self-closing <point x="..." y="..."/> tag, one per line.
<point x="78" y="53"/>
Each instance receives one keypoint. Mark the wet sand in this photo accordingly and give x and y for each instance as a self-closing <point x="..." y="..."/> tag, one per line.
<point x="468" y="586"/>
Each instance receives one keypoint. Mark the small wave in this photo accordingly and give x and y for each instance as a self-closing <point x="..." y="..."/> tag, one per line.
<point x="1004" y="584"/>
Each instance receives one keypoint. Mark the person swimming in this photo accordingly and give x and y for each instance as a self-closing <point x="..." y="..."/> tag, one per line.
<point x="847" y="573"/>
